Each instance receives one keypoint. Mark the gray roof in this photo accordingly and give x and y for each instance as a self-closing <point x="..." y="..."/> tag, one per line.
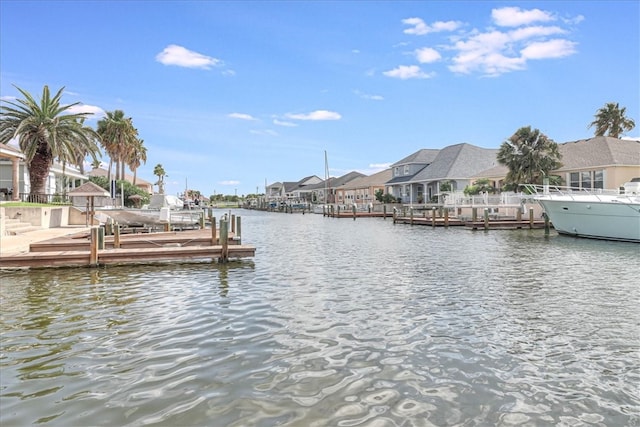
<point x="377" y="179"/>
<point x="89" y="189"/>
<point x="599" y="151"/>
<point x="459" y="161"/>
<point x="333" y="182"/>
<point x="423" y="156"/>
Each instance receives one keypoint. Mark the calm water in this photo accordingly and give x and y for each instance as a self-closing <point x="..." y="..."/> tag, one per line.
<point x="333" y="323"/>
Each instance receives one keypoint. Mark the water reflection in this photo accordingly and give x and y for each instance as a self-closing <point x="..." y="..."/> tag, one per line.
<point x="334" y="323"/>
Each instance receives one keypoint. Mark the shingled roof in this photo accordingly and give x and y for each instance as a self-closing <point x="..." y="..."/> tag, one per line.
<point x="459" y="161"/>
<point x="599" y="151"/>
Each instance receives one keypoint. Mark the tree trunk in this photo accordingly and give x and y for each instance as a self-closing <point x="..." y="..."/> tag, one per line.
<point x="39" y="173"/>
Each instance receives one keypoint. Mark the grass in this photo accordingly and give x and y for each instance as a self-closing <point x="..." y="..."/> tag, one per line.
<point x="28" y="205"/>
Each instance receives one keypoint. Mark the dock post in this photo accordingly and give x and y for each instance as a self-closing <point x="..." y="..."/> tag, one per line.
<point x="238" y="230"/>
<point x="353" y="208"/>
<point x="486" y="218"/>
<point x="546" y="224"/>
<point x="530" y="217"/>
<point x="338" y="211"/>
<point x="100" y="238"/>
<point x="93" y="254"/>
<point x="519" y="215"/>
<point x="202" y="221"/>
<point x="433" y="217"/>
<point x="116" y="236"/>
<point x="214" y="238"/>
<point x="474" y="214"/>
<point x="233" y="223"/>
<point x="411" y="216"/>
<point x="384" y="211"/>
<point x="446" y="218"/>
<point x="224" y="241"/>
<point x="395" y="215"/>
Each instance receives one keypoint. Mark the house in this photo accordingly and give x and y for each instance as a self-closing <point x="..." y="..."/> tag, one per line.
<point x="291" y="191"/>
<point x="10" y="177"/>
<point x="405" y="170"/>
<point x="599" y="162"/>
<point x="332" y="186"/>
<point x="140" y="183"/>
<point x="362" y="190"/>
<point x="14" y="176"/>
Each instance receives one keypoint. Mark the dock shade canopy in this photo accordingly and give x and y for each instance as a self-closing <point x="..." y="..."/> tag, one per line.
<point x="90" y="191"/>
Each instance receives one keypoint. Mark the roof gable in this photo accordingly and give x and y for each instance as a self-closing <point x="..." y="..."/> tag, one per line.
<point x="458" y="161"/>
<point x="423" y="156"/>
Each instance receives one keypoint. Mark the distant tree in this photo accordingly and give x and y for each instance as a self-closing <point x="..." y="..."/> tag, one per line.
<point x="136" y="156"/>
<point x="611" y="120"/>
<point x="530" y="155"/>
<point x="158" y="171"/>
<point x="480" y="186"/>
<point x="46" y="131"/>
<point x="118" y="137"/>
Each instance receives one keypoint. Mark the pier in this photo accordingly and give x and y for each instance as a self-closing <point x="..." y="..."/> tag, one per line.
<point x="94" y="248"/>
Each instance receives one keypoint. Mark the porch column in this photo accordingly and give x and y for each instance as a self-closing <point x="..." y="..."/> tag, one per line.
<point x="15" y="165"/>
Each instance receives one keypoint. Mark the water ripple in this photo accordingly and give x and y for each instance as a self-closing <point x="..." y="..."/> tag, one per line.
<point x="359" y="323"/>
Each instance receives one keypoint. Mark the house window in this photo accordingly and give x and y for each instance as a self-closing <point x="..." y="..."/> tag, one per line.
<point x="406" y="169"/>
<point x="396" y="171"/>
<point x="585" y="179"/>
<point x="574" y="179"/>
<point x="598" y="179"/>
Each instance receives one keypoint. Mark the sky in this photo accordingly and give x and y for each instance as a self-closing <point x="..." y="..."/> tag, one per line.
<point x="230" y="95"/>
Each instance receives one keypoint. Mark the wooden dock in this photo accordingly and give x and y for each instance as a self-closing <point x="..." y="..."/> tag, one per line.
<point x="90" y="249"/>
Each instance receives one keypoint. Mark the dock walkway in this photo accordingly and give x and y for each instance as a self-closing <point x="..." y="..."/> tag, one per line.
<point x="75" y="250"/>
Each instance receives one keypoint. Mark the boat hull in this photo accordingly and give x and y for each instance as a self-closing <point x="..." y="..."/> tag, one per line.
<point x="598" y="219"/>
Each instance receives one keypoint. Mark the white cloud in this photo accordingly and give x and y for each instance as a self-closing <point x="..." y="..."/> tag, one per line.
<point x="549" y="49"/>
<point x="241" y="116"/>
<point x="405" y="72"/>
<point x="368" y="96"/>
<point x="315" y="115"/>
<point x="514" y="16"/>
<point x="268" y="132"/>
<point x="427" y="55"/>
<point x="182" y="57"/>
<point x="535" y="31"/>
<point x="283" y="123"/>
<point x="230" y="182"/>
<point x="92" y="110"/>
<point x="420" y="28"/>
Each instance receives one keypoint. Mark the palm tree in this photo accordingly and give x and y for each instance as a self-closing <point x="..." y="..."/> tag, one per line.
<point x="611" y="120"/>
<point x="46" y="131"/>
<point x="530" y="156"/>
<point x="136" y="156"/>
<point x="118" y="134"/>
<point x="161" y="174"/>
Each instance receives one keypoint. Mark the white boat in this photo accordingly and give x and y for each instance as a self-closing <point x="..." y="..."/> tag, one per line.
<point x="595" y="213"/>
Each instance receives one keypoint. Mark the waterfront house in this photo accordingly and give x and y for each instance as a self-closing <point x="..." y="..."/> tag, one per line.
<point x="14" y="176"/>
<point x="362" y="190"/>
<point x="333" y="187"/>
<point x="294" y="192"/>
<point x="9" y="177"/>
<point x="405" y="170"/>
<point x="599" y="162"/>
<point x="452" y="168"/>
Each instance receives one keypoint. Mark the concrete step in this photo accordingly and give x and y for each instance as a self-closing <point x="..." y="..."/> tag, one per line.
<point x="14" y="227"/>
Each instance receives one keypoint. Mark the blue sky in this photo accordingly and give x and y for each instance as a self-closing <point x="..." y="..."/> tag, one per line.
<point x="227" y="95"/>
